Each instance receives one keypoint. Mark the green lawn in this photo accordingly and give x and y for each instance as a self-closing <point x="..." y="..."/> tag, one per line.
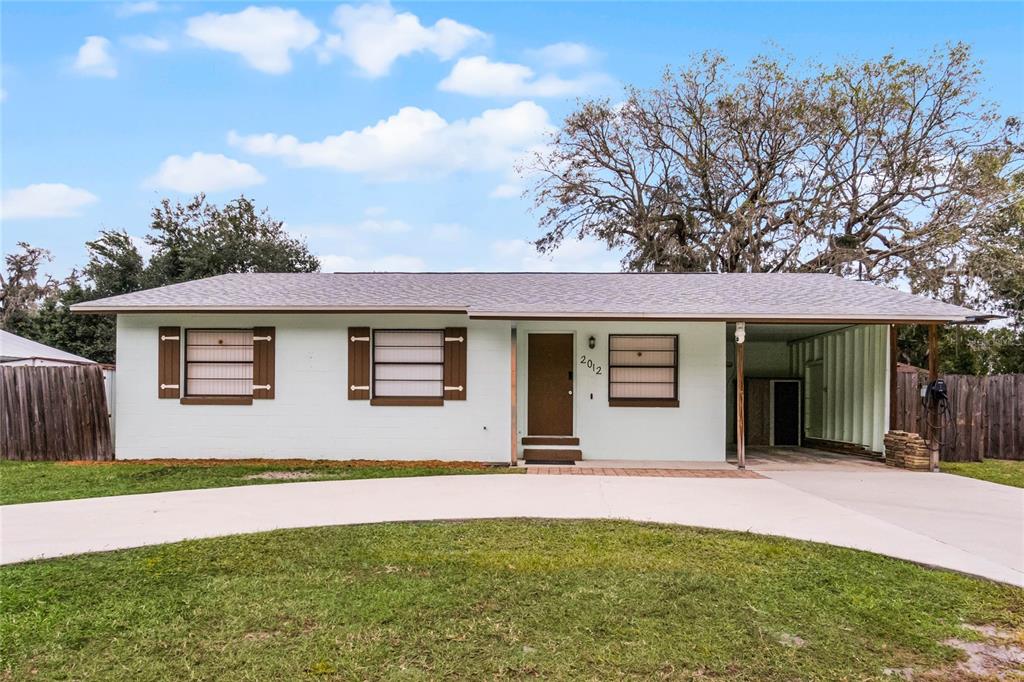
<point x="1005" y="471"/>
<point x="485" y="600"/>
<point x="42" y="481"/>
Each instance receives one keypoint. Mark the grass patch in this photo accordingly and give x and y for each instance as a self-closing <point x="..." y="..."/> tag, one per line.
<point x="1005" y="471"/>
<point x="485" y="600"/>
<point x="43" y="481"/>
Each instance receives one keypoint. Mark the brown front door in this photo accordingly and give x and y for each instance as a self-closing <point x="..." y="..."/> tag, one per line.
<point x="549" y="385"/>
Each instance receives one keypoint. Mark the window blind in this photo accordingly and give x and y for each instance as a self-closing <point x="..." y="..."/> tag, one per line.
<point x="642" y="367"/>
<point x="218" y="362"/>
<point x="408" y="363"/>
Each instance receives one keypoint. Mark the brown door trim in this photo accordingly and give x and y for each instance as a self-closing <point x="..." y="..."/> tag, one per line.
<point x="549" y="383"/>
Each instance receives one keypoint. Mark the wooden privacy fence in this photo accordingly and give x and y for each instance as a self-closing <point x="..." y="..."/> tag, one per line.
<point x="54" y="413"/>
<point x="986" y="415"/>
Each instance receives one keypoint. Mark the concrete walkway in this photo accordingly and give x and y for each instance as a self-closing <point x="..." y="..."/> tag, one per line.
<point x="797" y="509"/>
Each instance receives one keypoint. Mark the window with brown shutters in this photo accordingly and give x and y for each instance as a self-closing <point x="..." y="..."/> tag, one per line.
<point x="169" y="362"/>
<point x="218" y="362"/>
<point x="358" y="363"/>
<point x="408" y="367"/>
<point x="455" y="344"/>
<point x="643" y="370"/>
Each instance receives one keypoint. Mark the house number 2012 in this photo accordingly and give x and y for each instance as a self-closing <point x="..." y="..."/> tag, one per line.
<point x="590" y="364"/>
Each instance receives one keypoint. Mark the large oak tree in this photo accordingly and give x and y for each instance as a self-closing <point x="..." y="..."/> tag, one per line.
<point x="878" y="169"/>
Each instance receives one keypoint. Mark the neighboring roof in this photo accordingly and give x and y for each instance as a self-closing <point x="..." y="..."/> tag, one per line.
<point x="14" y="347"/>
<point x="749" y="297"/>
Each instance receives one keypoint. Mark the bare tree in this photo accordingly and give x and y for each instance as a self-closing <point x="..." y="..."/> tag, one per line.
<point x="861" y="168"/>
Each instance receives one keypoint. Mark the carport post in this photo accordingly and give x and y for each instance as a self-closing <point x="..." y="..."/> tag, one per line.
<point x="741" y="436"/>
<point x="933" y="407"/>
<point x="894" y="386"/>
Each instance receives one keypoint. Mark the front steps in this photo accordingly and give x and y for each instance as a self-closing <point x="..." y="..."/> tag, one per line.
<point x="551" y="450"/>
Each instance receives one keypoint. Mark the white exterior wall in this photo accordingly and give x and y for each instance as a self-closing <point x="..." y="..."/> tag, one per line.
<point x="311" y="416"/>
<point x="694" y="431"/>
<point x="856" y="382"/>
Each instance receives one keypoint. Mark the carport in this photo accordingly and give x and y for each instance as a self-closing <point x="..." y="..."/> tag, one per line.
<point x="800" y="390"/>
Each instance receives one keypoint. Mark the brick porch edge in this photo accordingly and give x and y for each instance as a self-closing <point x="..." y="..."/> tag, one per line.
<point x="551" y="470"/>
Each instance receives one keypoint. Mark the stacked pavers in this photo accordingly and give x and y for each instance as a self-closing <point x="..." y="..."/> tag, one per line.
<point x="907" y="451"/>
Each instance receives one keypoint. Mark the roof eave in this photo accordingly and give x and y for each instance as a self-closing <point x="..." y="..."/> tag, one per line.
<point x="752" y="318"/>
<point x="881" y="318"/>
<point x="86" y="308"/>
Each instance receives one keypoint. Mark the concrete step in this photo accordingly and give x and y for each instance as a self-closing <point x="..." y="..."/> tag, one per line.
<point x="550" y="440"/>
<point x="533" y="455"/>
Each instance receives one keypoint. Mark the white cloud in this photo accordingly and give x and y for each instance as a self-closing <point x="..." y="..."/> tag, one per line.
<point x="374" y="35"/>
<point x="571" y="256"/>
<point x="480" y="77"/>
<point x="563" y="54"/>
<point x="263" y="36"/>
<point x="447" y="232"/>
<point x="94" y="58"/>
<point x="131" y="9"/>
<point x="392" y="263"/>
<point x="506" y="190"/>
<point x="204" y="173"/>
<point x="146" y="43"/>
<point x="333" y="231"/>
<point x="413" y="142"/>
<point x="45" y="200"/>
<point x="391" y="226"/>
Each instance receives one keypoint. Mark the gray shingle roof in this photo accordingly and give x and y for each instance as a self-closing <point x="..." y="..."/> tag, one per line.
<point x="14" y="347"/>
<point x="617" y="295"/>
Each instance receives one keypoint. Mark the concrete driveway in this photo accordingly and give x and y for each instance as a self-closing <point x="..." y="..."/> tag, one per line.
<point x="933" y="519"/>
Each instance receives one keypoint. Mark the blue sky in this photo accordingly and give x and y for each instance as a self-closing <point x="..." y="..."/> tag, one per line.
<point x="386" y="134"/>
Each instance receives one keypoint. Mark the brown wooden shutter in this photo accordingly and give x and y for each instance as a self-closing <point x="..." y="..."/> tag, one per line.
<point x="455" y="342"/>
<point x="263" y="340"/>
<point x="358" y="363"/>
<point x="168" y="373"/>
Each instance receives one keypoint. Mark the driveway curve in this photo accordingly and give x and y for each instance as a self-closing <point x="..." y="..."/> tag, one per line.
<point x="51" y="529"/>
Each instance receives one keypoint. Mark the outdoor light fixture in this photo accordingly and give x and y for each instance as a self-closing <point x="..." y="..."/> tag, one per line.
<point x="592" y="342"/>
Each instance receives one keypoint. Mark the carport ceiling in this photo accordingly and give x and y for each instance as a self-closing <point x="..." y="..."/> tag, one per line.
<point x="784" y="332"/>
